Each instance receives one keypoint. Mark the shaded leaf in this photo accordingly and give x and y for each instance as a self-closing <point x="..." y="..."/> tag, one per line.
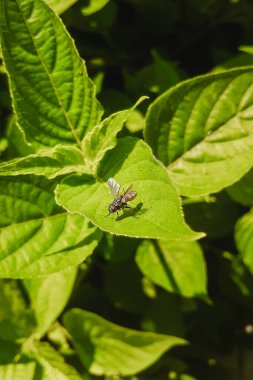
<point x="16" y="318"/>
<point x="52" y="95"/>
<point x="164" y="315"/>
<point x="176" y="266"/>
<point x="53" y="364"/>
<point x="36" y="237"/>
<point x="50" y="163"/>
<point x="242" y="191"/>
<point x="202" y="130"/>
<point x="93" y="6"/>
<point x="114" y="100"/>
<point x="244" y="239"/>
<point x="123" y="287"/>
<point x="215" y="216"/>
<point x="155" y="213"/>
<point x="48" y="305"/>
<point x="166" y="74"/>
<point x="109" y="349"/>
<point x="8" y="351"/>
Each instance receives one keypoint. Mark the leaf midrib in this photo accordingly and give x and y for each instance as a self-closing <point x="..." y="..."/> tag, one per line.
<point x="51" y="80"/>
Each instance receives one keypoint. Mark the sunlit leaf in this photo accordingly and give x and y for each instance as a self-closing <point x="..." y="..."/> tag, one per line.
<point x="178" y="267"/>
<point x="18" y="371"/>
<point x="52" y="95"/>
<point x="108" y="349"/>
<point x="53" y="364"/>
<point x="60" y="6"/>
<point x="202" y="130"/>
<point x="155" y="213"/>
<point x="36" y="237"/>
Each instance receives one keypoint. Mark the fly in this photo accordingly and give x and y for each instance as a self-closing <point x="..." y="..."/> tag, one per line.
<point x="120" y="201"/>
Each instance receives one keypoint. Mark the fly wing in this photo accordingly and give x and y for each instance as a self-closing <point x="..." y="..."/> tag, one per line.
<point x="128" y="189"/>
<point x="114" y="187"/>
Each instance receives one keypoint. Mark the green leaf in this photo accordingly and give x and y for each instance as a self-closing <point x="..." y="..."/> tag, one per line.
<point x="242" y="191"/>
<point x="18" y="371"/>
<point x="50" y="163"/>
<point x="216" y="216"/>
<point x="166" y="74"/>
<point x="244" y="239"/>
<point x="164" y="315"/>
<point x="3" y="145"/>
<point x="123" y="286"/>
<point x="187" y="377"/>
<point x="17" y="145"/>
<point x="103" y="137"/>
<point x="246" y="49"/>
<point x="16" y="319"/>
<point x="109" y="349"/>
<point x="53" y="97"/>
<point x="93" y="6"/>
<point x="8" y="351"/>
<point x="114" y="100"/>
<point x="36" y="237"/>
<point x="178" y="267"/>
<point x="135" y="122"/>
<point x="53" y="365"/>
<point x="98" y="80"/>
<point x="234" y="278"/>
<point x="155" y="213"/>
<point x="202" y="130"/>
<point x="48" y="305"/>
<point x="60" y="6"/>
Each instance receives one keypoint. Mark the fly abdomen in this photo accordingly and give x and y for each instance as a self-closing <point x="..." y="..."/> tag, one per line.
<point x="117" y="204"/>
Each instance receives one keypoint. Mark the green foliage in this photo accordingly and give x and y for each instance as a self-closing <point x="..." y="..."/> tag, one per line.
<point x="18" y="371"/>
<point x="17" y="320"/>
<point x="203" y="127"/>
<point x="52" y="95"/>
<point x="242" y="191"/>
<point x="93" y="6"/>
<point x="48" y="306"/>
<point x="133" y="163"/>
<point x="86" y="294"/>
<point x="98" y="343"/>
<point x="37" y="238"/>
<point x="167" y="265"/>
<point x="60" y="6"/>
<point x="244" y="240"/>
<point x="50" y="163"/>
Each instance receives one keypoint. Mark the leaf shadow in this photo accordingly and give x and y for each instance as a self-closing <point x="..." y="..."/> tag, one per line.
<point x="166" y="268"/>
<point x="133" y="211"/>
<point x="115" y="159"/>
